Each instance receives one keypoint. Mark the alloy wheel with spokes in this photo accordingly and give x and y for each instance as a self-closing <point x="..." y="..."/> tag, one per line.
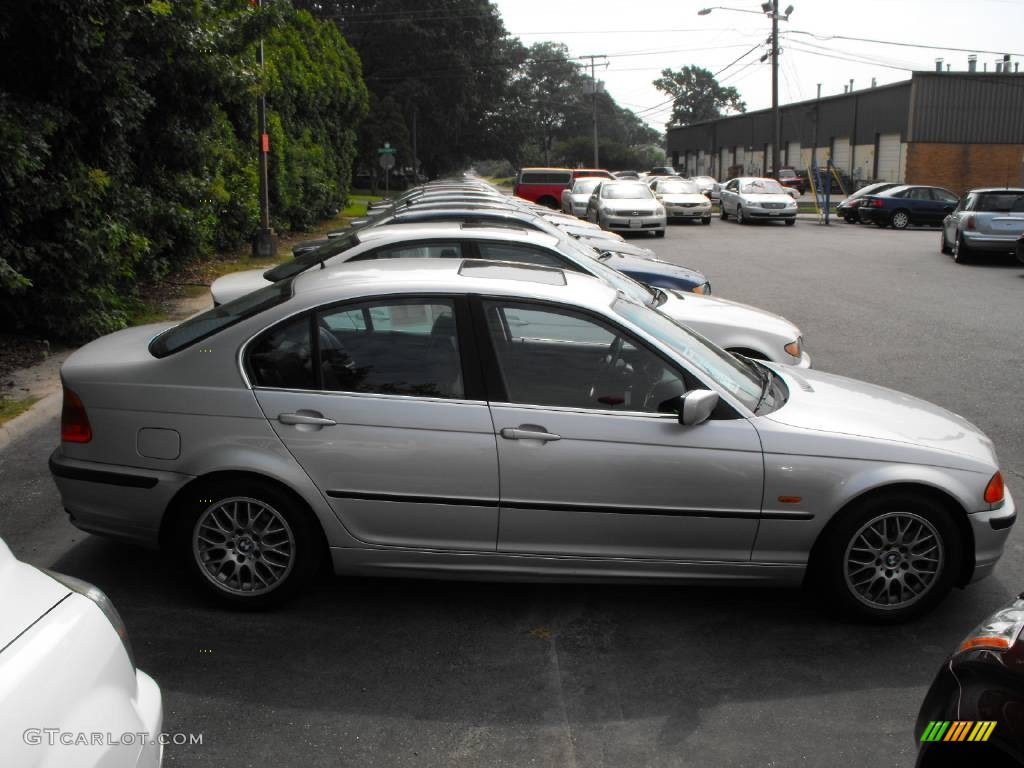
<point x="900" y="220"/>
<point x="244" y="546"/>
<point x="893" y="560"/>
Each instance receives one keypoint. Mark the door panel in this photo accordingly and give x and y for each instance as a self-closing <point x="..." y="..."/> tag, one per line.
<point x="398" y="471"/>
<point x="628" y="485"/>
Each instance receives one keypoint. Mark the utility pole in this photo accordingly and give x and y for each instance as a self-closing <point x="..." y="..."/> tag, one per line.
<point x="264" y="244"/>
<point x="776" y="114"/>
<point x="593" y="79"/>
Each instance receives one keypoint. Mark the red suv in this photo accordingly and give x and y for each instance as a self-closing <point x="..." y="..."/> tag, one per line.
<point x="790" y="177"/>
<point x="545" y="185"/>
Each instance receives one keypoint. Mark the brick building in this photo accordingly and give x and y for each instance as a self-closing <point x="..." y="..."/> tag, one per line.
<point x="952" y="129"/>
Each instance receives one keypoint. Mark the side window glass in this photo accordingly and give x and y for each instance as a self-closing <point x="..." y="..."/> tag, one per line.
<point x="281" y="358"/>
<point x="523" y="253"/>
<point x="407" y="347"/>
<point x="559" y="358"/>
<point x="450" y="250"/>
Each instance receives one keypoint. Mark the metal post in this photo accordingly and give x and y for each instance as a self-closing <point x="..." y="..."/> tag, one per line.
<point x="415" y="157"/>
<point x="776" y="115"/>
<point x="264" y="243"/>
<point x="593" y="79"/>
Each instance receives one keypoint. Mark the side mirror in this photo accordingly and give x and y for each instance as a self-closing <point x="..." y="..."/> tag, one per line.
<point x="693" y="407"/>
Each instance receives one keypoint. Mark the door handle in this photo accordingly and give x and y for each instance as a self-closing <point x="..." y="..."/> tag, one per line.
<point x="511" y="433"/>
<point x="309" y="418"/>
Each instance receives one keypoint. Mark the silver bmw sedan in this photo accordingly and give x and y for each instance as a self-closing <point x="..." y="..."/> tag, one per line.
<point x="475" y="418"/>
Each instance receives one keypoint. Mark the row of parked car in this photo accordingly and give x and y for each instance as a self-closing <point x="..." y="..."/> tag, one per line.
<point x="480" y="391"/>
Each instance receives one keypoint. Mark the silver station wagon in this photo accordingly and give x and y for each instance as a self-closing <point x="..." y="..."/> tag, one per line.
<point x="474" y="418"/>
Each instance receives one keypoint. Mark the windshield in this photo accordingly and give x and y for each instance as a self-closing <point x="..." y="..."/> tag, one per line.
<point x="217" y="319"/>
<point x="762" y="187"/>
<point x="628" y="191"/>
<point x="787" y="173"/>
<point x="678" y="188"/>
<point x="737" y="378"/>
<point x="585" y="186"/>
<point x="331" y="248"/>
<point x="589" y="259"/>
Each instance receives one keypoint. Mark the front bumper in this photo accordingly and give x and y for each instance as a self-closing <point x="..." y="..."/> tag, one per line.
<point x="780" y="214"/>
<point x="687" y="212"/>
<point x="124" y="502"/>
<point x="149" y="706"/>
<point x="991" y="528"/>
<point x="634" y="223"/>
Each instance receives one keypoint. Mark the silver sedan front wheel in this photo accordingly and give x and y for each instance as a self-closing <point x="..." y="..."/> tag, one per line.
<point x="893" y="560"/>
<point x="889" y="557"/>
<point x="243" y="546"/>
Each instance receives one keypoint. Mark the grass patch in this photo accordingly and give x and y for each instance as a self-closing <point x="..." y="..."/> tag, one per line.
<point x="144" y="312"/>
<point x="11" y="408"/>
<point x="500" y="181"/>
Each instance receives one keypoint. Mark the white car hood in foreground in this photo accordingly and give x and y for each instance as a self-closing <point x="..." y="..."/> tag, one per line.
<point x="711" y="315"/>
<point x="845" y="406"/>
<point x="27" y="594"/>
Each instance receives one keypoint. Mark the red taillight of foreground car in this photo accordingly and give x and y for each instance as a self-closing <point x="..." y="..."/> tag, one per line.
<point x="995" y="490"/>
<point x="74" y="422"/>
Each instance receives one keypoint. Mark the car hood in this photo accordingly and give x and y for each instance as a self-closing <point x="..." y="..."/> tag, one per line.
<point x="629" y="202"/>
<point x="627" y="262"/>
<point x="824" y="402"/>
<point x="683" y="198"/>
<point x="28" y="594"/>
<point x="618" y="247"/>
<point x="760" y="197"/>
<point x="708" y="314"/>
<point x="236" y="284"/>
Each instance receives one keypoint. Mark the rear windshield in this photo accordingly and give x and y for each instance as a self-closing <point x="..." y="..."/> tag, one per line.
<point x="545" y="177"/>
<point x="1000" y="202"/>
<point x="217" y="319"/>
<point x="331" y="248"/>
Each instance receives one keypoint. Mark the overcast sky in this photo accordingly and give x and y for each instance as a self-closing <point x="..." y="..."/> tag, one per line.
<point x="641" y="37"/>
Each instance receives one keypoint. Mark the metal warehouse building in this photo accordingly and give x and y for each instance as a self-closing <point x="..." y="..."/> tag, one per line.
<point x="952" y="129"/>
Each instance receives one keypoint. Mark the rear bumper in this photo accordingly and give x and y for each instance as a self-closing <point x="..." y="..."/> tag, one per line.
<point x="123" y="502"/>
<point x="991" y="529"/>
<point x="985" y="242"/>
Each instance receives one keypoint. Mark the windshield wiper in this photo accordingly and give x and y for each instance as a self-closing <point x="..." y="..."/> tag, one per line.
<point x="765" y="375"/>
<point x="660" y="296"/>
<point x="604" y="255"/>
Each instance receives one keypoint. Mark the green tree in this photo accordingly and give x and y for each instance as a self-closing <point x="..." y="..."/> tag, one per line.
<point x="697" y="95"/>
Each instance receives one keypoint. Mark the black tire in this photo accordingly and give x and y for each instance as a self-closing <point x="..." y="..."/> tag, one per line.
<point x="549" y="202"/>
<point x="943" y="245"/>
<point x="790" y="222"/>
<point x="721" y="212"/>
<point x="706" y="220"/>
<point x="962" y="254"/>
<point x="659" y="233"/>
<point x="900" y="219"/>
<point x="739" y="215"/>
<point x="845" y="553"/>
<point x="281" y="545"/>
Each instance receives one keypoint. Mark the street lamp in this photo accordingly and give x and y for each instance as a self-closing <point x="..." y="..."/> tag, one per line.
<point x="771" y="9"/>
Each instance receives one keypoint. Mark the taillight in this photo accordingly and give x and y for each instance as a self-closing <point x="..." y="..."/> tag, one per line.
<point x="995" y="490"/>
<point x="877" y="203"/>
<point x="74" y="422"/>
<point x="969" y="224"/>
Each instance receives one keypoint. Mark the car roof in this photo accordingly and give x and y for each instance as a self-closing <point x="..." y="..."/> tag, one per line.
<point x="430" y="230"/>
<point x="1013" y="190"/>
<point x="356" y="278"/>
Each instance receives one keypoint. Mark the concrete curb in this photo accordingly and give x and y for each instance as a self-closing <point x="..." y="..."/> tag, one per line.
<point x="38" y="414"/>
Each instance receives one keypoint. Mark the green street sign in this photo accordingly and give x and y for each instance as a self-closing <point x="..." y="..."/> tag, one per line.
<point x="387" y="149"/>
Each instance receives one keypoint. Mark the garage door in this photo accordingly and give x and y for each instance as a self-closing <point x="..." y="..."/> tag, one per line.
<point x="701" y="163"/>
<point x="888" y="157"/>
<point x="741" y="159"/>
<point x="793" y="154"/>
<point x="841" y="154"/>
<point x="724" y="164"/>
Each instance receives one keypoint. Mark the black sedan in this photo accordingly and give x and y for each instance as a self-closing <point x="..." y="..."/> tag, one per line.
<point x="973" y="714"/>
<point x="907" y="204"/>
<point x="848" y="207"/>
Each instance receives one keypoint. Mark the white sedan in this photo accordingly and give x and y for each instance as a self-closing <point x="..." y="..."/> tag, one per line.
<point x="70" y="694"/>
<point x="682" y="199"/>
<point x="756" y="199"/>
<point x="628" y="206"/>
<point x="574" y="200"/>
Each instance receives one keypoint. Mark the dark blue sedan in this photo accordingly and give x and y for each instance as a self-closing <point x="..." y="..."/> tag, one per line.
<point x="901" y="206"/>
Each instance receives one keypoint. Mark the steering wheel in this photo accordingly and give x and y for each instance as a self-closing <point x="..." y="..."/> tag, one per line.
<point x="607" y="365"/>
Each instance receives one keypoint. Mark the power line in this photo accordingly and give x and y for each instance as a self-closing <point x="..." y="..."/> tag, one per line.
<point x="898" y="43"/>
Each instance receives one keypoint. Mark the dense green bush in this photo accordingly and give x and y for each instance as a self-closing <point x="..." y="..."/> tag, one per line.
<point x="128" y="136"/>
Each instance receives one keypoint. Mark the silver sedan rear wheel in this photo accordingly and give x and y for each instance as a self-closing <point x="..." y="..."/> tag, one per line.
<point x="894" y="560"/>
<point x="244" y="546"/>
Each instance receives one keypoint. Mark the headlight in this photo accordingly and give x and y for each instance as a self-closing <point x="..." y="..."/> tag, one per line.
<point x="659" y="211"/>
<point x="95" y="594"/>
<point x="705" y="204"/>
<point x="701" y="290"/>
<point x="793" y="348"/>
<point x="998" y="632"/>
<point x="751" y="203"/>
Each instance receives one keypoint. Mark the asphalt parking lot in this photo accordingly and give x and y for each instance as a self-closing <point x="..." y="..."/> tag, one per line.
<point x="430" y="673"/>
